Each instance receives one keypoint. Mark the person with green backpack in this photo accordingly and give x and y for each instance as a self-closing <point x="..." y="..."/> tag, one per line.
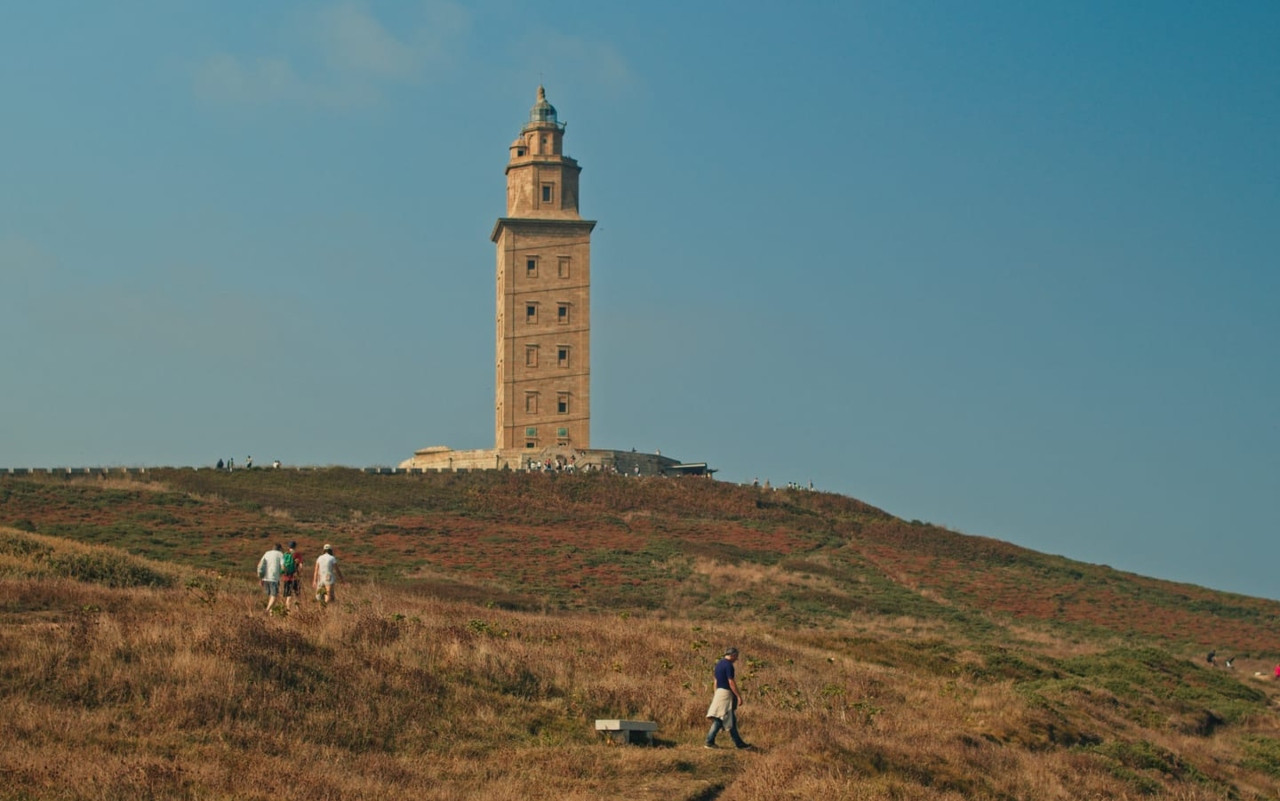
<point x="289" y="574"/>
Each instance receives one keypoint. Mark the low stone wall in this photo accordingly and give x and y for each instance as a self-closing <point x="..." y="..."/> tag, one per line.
<point x="628" y="463"/>
<point x="436" y="459"/>
<point x="625" y="462"/>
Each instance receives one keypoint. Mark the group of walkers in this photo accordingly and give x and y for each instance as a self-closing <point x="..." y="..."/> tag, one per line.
<point x="280" y="572"/>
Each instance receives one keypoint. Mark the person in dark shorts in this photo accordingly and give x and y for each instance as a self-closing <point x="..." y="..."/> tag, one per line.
<point x="290" y="577"/>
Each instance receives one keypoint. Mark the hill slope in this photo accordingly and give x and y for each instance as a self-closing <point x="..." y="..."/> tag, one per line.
<point x="492" y="617"/>
<point x="539" y="541"/>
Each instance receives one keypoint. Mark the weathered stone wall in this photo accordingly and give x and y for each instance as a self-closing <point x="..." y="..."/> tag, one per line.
<point x="626" y="462"/>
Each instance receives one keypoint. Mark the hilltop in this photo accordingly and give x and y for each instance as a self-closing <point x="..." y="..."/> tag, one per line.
<point x="491" y="616"/>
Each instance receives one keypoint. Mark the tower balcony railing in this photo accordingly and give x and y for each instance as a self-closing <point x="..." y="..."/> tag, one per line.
<point x="533" y="120"/>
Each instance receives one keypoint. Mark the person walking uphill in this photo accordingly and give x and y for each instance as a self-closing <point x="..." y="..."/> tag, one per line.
<point x="289" y="581"/>
<point x="326" y="574"/>
<point x="270" y="567"/>
<point x="725" y="702"/>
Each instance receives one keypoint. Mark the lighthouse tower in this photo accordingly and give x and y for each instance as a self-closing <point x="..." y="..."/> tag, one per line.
<point x="542" y="408"/>
<point x="544" y="295"/>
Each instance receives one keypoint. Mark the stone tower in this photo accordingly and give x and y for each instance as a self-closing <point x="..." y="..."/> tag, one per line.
<point x="544" y="295"/>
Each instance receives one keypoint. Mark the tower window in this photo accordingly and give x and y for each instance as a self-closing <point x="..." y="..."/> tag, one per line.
<point x="562" y="313"/>
<point x="531" y="402"/>
<point x="531" y="432"/>
<point x="562" y="432"/>
<point x="562" y="403"/>
<point x="520" y="151"/>
<point x="546" y="193"/>
<point x="562" y="355"/>
<point x="531" y="267"/>
<point x="531" y="313"/>
<point x="531" y="356"/>
<point x="564" y="266"/>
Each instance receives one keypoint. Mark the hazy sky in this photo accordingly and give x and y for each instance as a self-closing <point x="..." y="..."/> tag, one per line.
<point x="1007" y="267"/>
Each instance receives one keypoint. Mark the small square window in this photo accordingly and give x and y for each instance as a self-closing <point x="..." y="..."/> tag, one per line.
<point x="564" y="266"/>
<point x="546" y="193"/>
<point x="562" y="403"/>
<point x="530" y="445"/>
<point x="562" y="356"/>
<point x="531" y="356"/>
<point x="531" y="267"/>
<point x="531" y="403"/>
<point x="531" y="313"/>
<point x="562" y="432"/>
<point x="531" y="432"/>
<point x="562" y="313"/>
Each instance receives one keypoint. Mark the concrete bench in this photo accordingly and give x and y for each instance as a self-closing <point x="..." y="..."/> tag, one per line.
<point x="624" y="731"/>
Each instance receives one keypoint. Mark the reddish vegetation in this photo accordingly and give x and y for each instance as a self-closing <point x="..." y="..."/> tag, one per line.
<point x="590" y="540"/>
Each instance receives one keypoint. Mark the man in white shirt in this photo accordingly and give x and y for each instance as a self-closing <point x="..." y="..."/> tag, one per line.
<point x="270" y="566"/>
<point x="326" y="574"/>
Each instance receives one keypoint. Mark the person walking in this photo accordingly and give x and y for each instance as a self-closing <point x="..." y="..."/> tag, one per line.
<point x="725" y="701"/>
<point x="326" y="574"/>
<point x="290" y="579"/>
<point x="270" y="568"/>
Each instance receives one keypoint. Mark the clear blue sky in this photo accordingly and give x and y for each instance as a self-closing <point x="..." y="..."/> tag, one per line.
<point x="1007" y="267"/>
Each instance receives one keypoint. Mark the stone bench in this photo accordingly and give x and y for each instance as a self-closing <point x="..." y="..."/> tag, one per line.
<point x="624" y="731"/>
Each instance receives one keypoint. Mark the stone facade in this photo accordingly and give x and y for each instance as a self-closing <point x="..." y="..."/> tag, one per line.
<point x="543" y="379"/>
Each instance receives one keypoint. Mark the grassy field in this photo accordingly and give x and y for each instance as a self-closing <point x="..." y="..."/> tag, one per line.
<point x="491" y="617"/>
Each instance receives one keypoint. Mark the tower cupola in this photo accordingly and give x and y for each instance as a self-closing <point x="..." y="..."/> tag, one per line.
<point x="543" y="111"/>
<point x="541" y="180"/>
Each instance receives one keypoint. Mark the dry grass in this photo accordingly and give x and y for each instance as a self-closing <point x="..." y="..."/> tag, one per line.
<point x="115" y="693"/>
<point x="543" y="604"/>
<point x="122" y="483"/>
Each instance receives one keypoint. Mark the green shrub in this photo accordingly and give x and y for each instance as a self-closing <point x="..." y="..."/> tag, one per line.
<point x="111" y="569"/>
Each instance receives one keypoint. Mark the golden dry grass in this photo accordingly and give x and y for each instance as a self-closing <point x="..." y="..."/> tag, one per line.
<point x="170" y="693"/>
<point x="122" y="677"/>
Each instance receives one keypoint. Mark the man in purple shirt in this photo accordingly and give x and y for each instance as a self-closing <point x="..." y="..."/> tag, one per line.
<point x="725" y="701"/>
